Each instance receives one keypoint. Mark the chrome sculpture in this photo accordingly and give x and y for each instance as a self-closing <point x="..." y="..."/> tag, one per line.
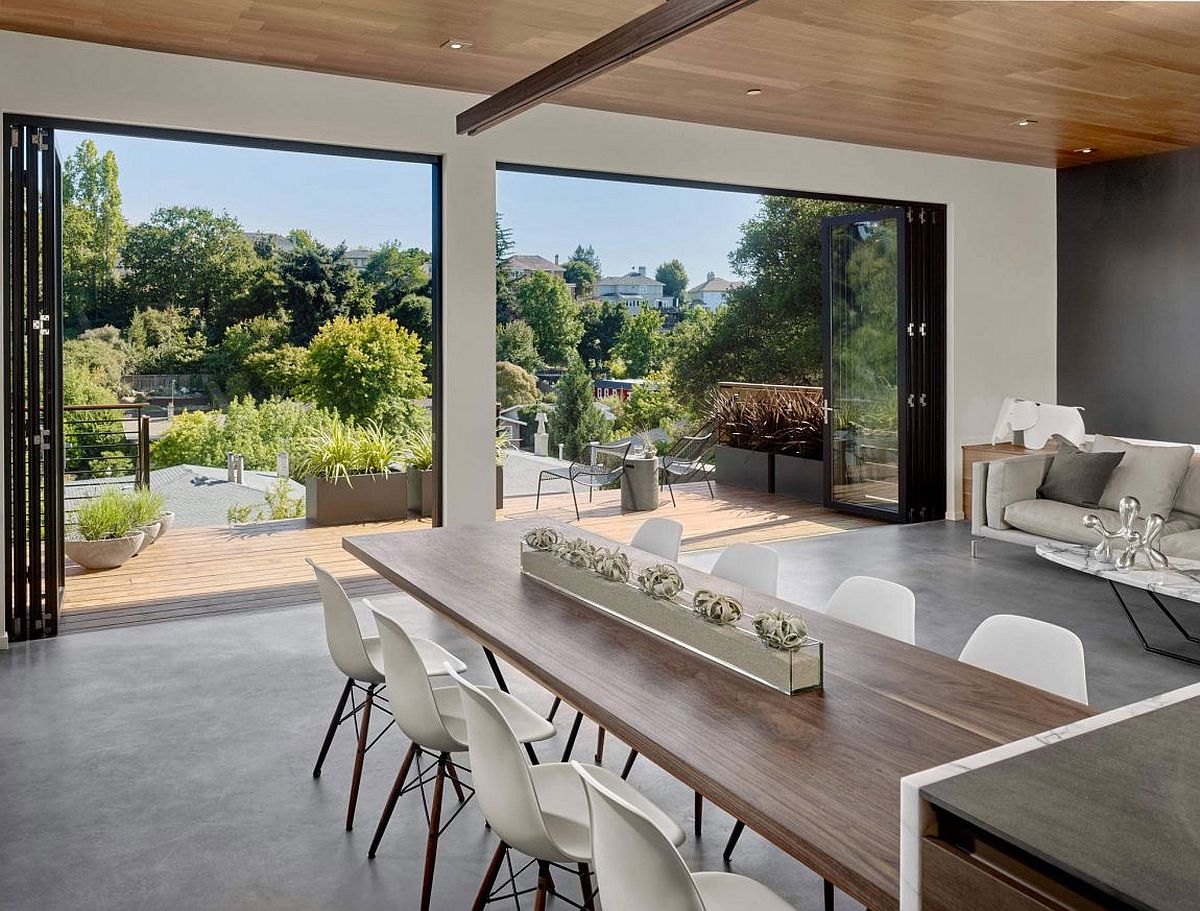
<point x="1131" y="541"/>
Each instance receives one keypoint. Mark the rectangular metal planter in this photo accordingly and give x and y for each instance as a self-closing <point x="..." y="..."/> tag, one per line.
<point x="796" y="476"/>
<point x="421" y="491"/>
<point x="362" y="498"/>
<point x="744" y="468"/>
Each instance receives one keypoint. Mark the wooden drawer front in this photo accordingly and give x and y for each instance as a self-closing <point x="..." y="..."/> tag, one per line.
<point x="952" y="880"/>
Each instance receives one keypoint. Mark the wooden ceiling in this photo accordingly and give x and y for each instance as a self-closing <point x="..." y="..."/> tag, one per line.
<point x="932" y="75"/>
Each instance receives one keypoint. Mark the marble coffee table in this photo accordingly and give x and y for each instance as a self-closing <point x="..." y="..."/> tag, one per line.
<point x="1180" y="582"/>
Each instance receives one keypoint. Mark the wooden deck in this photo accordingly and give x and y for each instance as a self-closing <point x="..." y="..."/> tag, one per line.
<point x="735" y="514"/>
<point x="249" y="567"/>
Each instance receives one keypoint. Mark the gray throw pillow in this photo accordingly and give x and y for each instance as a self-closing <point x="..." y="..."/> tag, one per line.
<point x="1153" y="474"/>
<point x="1077" y="477"/>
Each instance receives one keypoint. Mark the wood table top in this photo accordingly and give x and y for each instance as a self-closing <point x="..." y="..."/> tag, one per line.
<point x="817" y="774"/>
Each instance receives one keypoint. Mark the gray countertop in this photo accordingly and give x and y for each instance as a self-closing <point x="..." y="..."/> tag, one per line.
<point x="1118" y="808"/>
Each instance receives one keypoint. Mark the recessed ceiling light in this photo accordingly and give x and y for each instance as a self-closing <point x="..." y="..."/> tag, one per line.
<point x="1024" y="122"/>
<point x="456" y="44"/>
<point x="754" y="91"/>
<point x="1086" y="150"/>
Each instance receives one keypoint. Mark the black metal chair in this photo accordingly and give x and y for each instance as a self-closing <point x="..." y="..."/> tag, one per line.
<point x="687" y="460"/>
<point x="604" y="465"/>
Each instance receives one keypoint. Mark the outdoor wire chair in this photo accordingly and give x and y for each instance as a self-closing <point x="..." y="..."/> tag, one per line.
<point x="604" y="465"/>
<point x="688" y="460"/>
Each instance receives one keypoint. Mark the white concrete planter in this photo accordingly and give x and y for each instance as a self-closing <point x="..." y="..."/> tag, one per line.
<point x="166" y="520"/>
<point x="152" y="533"/>
<point x="108" y="553"/>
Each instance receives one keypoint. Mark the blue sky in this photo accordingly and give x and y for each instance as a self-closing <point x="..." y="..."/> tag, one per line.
<point x="361" y="201"/>
<point x="628" y="224"/>
<point x="366" y="202"/>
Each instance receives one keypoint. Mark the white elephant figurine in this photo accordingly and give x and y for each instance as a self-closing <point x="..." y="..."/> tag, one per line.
<point x="1038" y="422"/>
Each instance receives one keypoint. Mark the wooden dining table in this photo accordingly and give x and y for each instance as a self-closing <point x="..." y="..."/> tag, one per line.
<point x="816" y="773"/>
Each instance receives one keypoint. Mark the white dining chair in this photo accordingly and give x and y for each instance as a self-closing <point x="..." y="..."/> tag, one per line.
<point x="885" y="607"/>
<point x="540" y="811"/>
<point x="638" y="868"/>
<point x="1033" y="651"/>
<point x="358" y="657"/>
<point x="432" y="718"/>
<point x="660" y="537"/>
<point x="750" y="565"/>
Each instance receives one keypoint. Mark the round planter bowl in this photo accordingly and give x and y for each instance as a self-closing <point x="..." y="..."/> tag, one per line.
<point x="151" y="533"/>
<point x="106" y="554"/>
<point x="166" y="520"/>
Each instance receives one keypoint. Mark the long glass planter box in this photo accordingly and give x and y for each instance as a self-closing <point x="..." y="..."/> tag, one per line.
<point x="731" y="646"/>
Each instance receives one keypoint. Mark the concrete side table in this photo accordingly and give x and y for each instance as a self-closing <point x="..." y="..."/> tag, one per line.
<point x="639" y="484"/>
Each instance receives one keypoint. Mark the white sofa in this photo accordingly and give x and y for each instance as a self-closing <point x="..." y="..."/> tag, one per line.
<point x="1004" y="505"/>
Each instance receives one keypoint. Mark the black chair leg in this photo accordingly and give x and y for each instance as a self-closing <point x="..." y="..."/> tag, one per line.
<point x="537" y="503"/>
<point x="575" y="500"/>
<point x="671" y="488"/>
<point x="633" y="755"/>
<point x="570" y="748"/>
<point x="699" y="822"/>
<point x="828" y="895"/>
<point x="738" y="826"/>
<point x="711" y="494"/>
<point x="334" y="723"/>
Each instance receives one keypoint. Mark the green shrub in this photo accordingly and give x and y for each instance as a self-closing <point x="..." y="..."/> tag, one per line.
<point x="258" y="431"/>
<point x="339" y="449"/>
<point x="419" y="451"/>
<point x="146" y="505"/>
<point x="110" y="515"/>
<point x="278" y="504"/>
<point x="514" y="385"/>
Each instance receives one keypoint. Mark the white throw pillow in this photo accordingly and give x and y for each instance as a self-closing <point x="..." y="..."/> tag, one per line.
<point x="1150" y="473"/>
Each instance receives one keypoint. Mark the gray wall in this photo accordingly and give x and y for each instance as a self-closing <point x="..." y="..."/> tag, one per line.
<point x="1129" y="295"/>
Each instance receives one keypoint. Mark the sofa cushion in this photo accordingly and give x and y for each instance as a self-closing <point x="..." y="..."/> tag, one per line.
<point x="1153" y="474"/>
<point x="1077" y="477"/>
<point x="1057" y="521"/>
<point x="1184" y="544"/>
<point x="1187" y="498"/>
<point x="1010" y="481"/>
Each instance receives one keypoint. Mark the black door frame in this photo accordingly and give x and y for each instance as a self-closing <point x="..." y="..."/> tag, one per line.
<point x="13" y="121"/>
<point x="902" y="391"/>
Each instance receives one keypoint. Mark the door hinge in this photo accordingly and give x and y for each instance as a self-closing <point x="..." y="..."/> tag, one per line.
<point x="922" y="400"/>
<point x="912" y="400"/>
<point x="922" y="330"/>
<point x="911" y="329"/>
<point x="38" y="138"/>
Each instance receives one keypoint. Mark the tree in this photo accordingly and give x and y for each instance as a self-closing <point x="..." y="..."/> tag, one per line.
<point x="356" y="366"/>
<point x="515" y="344"/>
<point x="576" y="421"/>
<point x="544" y="302"/>
<point x="650" y="405"/>
<point x="674" y="278"/>
<point x="193" y="260"/>
<point x="582" y="275"/>
<point x="163" y="341"/>
<point x="587" y="255"/>
<point x="770" y="330"/>
<point x="93" y="229"/>
<point x="602" y="321"/>
<point x="101" y="355"/>
<point x="254" y="358"/>
<point x="514" y="386"/>
<point x="640" y="343"/>
<point x="400" y="270"/>
<point x="506" y="294"/>
<point x="319" y="285"/>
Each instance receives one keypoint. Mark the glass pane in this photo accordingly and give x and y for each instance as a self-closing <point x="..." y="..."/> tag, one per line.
<point x="864" y="311"/>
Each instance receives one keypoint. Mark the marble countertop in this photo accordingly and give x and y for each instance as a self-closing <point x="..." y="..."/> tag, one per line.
<point x="1118" y="807"/>
<point x="1181" y="580"/>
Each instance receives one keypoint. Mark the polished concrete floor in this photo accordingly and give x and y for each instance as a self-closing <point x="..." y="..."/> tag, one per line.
<point x="169" y="765"/>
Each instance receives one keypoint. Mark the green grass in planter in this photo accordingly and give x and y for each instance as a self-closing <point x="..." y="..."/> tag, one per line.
<point x="146" y="505"/>
<point x="339" y="450"/>
<point x="377" y="450"/>
<point x="110" y="515"/>
<point x="419" y="453"/>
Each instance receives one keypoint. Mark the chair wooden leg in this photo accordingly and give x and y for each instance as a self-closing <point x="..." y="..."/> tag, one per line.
<point x="585" y="884"/>
<point x="489" y="878"/>
<point x="364" y="726"/>
<point x="334" y="723"/>
<point x="453" y="773"/>
<point x="699" y="805"/>
<point x="435" y="826"/>
<point x="388" y="807"/>
<point x="828" y="895"/>
<point x="545" y="885"/>
<point x="633" y="755"/>
<point x="570" y="748"/>
<point x="738" y="826"/>
<point x="600" y="746"/>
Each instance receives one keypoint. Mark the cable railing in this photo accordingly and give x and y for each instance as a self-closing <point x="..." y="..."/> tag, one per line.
<point x="104" y="446"/>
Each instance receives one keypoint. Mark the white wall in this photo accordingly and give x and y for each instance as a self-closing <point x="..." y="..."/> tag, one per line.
<point x="1001" y="283"/>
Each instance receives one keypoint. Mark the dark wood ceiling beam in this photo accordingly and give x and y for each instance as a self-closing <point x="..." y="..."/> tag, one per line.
<point x="651" y="30"/>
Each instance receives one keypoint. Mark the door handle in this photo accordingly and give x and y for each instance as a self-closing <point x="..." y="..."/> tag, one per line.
<point x="826" y="410"/>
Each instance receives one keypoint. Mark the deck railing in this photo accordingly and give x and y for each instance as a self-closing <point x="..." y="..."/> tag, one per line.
<point x="104" y="446"/>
